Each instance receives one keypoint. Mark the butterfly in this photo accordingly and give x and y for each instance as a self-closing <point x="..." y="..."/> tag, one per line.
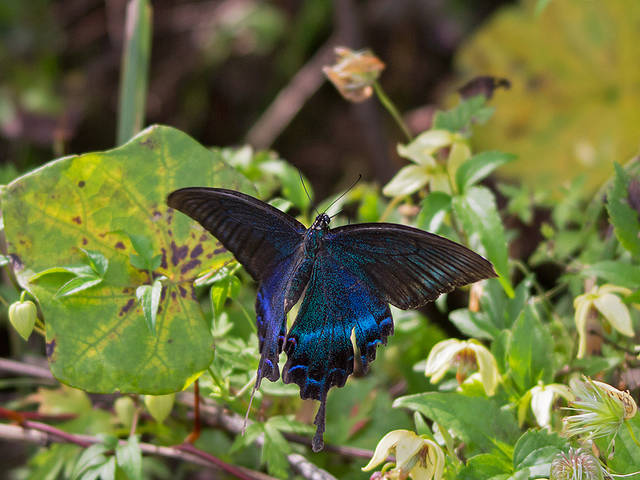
<point x="347" y="277"/>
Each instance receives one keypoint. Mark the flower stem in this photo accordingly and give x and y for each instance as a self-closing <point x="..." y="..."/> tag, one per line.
<point x="391" y="108"/>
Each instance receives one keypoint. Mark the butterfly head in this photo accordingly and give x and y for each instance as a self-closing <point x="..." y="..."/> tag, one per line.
<point x="321" y="222"/>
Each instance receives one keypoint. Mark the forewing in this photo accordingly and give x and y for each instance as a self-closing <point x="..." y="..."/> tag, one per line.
<point x="318" y="345"/>
<point x="409" y="267"/>
<point x="257" y="234"/>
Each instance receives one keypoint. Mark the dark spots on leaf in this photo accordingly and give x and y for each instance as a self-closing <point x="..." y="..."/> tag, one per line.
<point x="163" y="294"/>
<point x="170" y="340"/>
<point x="22" y="242"/>
<point x="120" y="246"/>
<point x="16" y="262"/>
<point x="126" y="307"/>
<point x="190" y="265"/>
<point x="197" y="251"/>
<point x="193" y="293"/>
<point x="149" y="143"/>
<point x="170" y="233"/>
<point x="50" y="348"/>
<point x="209" y="255"/>
<point x="173" y="294"/>
<point x="219" y="250"/>
<point x="81" y="183"/>
<point x="163" y="262"/>
<point x="183" y="291"/>
<point x="203" y="237"/>
<point x="193" y="235"/>
<point x="178" y="253"/>
<point x="127" y="290"/>
<point x="77" y="220"/>
<point x="159" y="309"/>
<point x="84" y="241"/>
<point x="156" y="215"/>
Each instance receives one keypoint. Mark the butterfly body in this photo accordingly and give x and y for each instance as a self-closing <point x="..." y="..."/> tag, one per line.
<point x="346" y="278"/>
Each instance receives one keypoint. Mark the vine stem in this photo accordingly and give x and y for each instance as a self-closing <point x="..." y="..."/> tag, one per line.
<point x="391" y="108"/>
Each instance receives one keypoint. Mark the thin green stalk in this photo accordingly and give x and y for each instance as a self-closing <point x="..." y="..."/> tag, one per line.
<point x="247" y="316"/>
<point x="391" y="108"/>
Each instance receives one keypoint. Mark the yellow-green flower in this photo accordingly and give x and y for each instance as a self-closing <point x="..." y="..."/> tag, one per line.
<point x="426" y="169"/>
<point x="600" y="409"/>
<point x="605" y="301"/>
<point x="416" y="457"/>
<point x="354" y="73"/>
<point x="466" y="356"/>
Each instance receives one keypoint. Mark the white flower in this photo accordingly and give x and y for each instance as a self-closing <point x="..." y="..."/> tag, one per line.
<point x="541" y="398"/>
<point x="609" y="305"/>
<point x="416" y="457"/>
<point x="465" y="355"/>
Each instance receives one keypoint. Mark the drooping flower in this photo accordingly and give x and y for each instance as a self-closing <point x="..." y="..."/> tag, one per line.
<point x="541" y="398"/>
<point x="465" y="356"/>
<point x="416" y="457"/>
<point x="576" y="465"/>
<point x="23" y="315"/>
<point x="354" y="73"/>
<point x="600" y="409"/>
<point x="605" y="301"/>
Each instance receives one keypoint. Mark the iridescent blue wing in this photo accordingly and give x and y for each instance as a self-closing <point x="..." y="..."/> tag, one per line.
<point x="318" y="345"/>
<point x="409" y="267"/>
<point x="265" y="241"/>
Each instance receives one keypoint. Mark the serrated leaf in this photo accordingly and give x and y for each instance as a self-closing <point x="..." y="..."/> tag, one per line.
<point x="624" y="218"/>
<point x="479" y="167"/>
<point x="129" y="458"/>
<point x="77" y="284"/>
<point x="479" y="214"/>
<point x="274" y="451"/>
<point x="98" y="338"/>
<point x="460" y="413"/>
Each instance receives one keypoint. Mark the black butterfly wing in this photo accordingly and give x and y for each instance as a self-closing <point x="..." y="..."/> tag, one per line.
<point x="257" y="234"/>
<point x="265" y="241"/>
<point x="318" y="346"/>
<point x="409" y="267"/>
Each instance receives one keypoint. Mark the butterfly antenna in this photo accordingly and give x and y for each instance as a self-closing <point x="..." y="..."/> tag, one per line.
<point x="246" y="416"/>
<point x="306" y="191"/>
<point x="343" y="194"/>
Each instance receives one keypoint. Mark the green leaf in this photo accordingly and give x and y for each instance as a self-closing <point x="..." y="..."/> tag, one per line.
<point x="274" y="451"/>
<point x="479" y="214"/>
<point x="77" y="284"/>
<point x="98" y="338"/>
<point x="624" y="218"/>
<point x="530" y="351"/>
<point x="460" y="118"/>
<point x="134" y="68"/>
<point x="460" y="413"/>
<point x="537" y="448"/>
<point x="486" y="466"/>
<point x="616" y="272"/>
<point x="627" y="451"/>
<point x="434" y="209"/>
<point x="129" y="458"/>
<point x="91" y="457"/>
<point x="149" y="298"/>
<point x="97" y="262"/>
<point x="473" y="324"/>
<point x="479" y="167"/>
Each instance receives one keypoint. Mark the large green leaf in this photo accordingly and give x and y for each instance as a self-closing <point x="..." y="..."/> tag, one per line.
<point x="622" y="214"/>
<point x="97" y="338"/>
<point x="476" y="420"/>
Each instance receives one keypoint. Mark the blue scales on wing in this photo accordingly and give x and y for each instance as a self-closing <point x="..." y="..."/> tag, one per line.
<point x="266" y="242"/>
<point x="318" y="346"/>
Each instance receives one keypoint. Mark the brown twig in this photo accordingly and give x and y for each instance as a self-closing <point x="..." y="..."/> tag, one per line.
<point x="291" y="99"/>
<point x="231" y="422"/>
